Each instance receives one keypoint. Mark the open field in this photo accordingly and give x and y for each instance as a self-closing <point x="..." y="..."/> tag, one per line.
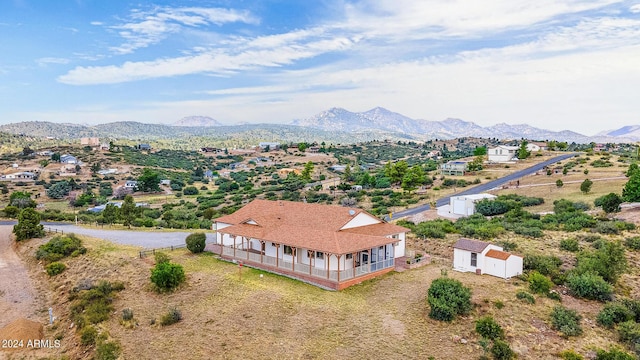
<point x="257" y="315"/>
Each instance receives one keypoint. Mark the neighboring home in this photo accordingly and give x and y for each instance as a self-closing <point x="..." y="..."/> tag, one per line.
<point x="208" y="174"/>
<point x="484" y="258"/>
<point x="20" y="176"/>
<point x="284" y="172"/>
<point x="130" y="184"/>
<point x="90" y="141"/>
<point x="68" y="159"/>
<point x="209" y="149"/>
<point x="536" y="146"/>
<point x="599" y="147"/>
<point x="165" y="182"/>
<point x="67" y="170"/>
<point x="143" y="147"/>
<point x="338" y="168"/>
<point x="45" y="153"/>
<point x="457" y="167"/>
<point x="107" y="171"/>
<point x="433" y="154"/>
<point x="502" y="153"/>
<point x="105" y="147"/>
<point x="313" y="149"/>
<point x="271" y="145"/>
<point x="465" y="205"/>
<point x="326" y="245"/>
<point x="237" y="165"/>
<point x="326" y="184"/>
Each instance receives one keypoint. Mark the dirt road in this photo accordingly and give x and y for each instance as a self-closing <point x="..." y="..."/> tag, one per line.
<point x="17" y="294"/>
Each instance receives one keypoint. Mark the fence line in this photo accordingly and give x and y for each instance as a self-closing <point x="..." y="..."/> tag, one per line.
<point x="146" y="252"/>
<point x="52" y="230"/>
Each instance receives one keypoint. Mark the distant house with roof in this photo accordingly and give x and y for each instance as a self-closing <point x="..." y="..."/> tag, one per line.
<point x="90" y="141"/>
<point x="143" y="147"/>
<point x="485" y="258"/>
<point x="536" y="146"/>
<point x="326" y="245"/>
<point x="454" y="167"/>
<point x="465" y="205"/>
<point x="502" y="153"/>
<point x="131" y="184"/>
<point x="68" y="159"/>
<point x="269" y="145"/>
<point x="20" y="176"/>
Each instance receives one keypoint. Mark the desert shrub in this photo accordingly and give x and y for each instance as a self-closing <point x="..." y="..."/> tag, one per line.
<point x="507" y="245"/>
<point x="614" y="353"/>
<point x="60" y="247"/>
<point x="190" y="190"/>
<point x="570" y="245"/>
<point x="171" y="317"/>
<point x="127" y="314"/>
<point x="448" y="298"/>
<point x="570" y="355"/>
<point x="93" y="305"/>
<point x="167" y="276"/>
<point x="55" y="268"/>
<point x="566" y="321"/>
<point x="614" y="313"/>
<point x="632" y="243"/>
<point x="88" y="335"/>
<point x="546" y="265"/>
<point x="501" y="350"/>
<point x="608" y="261"/>
<point x="589" y="286"/>
<point x="488" y="328"/>
<point x="107" y="350"/>
<point x="629" y="333"/>
<point x="539" y="283"/>
<point x="607" y="227"/>
<point x="634" y="306"/>
<point x="523" y="295"/>
<point x="196" y="242"/>
<point x="554" y="295"/>
<point x="161" y="257"/>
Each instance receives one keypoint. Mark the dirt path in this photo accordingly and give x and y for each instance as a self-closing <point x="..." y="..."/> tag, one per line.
<point x="17" y="294"/>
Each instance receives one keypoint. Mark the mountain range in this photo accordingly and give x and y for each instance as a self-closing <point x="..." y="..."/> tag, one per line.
<point x="335" y="125"/>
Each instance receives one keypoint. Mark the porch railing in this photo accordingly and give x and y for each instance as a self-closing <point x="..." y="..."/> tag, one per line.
<point x="306" y="269"/>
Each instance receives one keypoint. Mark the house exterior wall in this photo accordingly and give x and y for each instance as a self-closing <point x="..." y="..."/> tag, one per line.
<point x="495" y="267"/>
<point x="501" y="154"/>
<point x="514" y="266"/>
<point x="462" y="259"/>
<point x="361" y="219"/>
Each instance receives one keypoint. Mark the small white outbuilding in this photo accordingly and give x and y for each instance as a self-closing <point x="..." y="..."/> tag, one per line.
<point x="485" y="258"/>
<point x="465" y="205"/>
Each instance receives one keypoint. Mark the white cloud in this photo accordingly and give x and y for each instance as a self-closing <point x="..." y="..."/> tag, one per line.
<point x="51" y="60"/>
<point x="145" y="28"/>
<point x="635" y="8"/>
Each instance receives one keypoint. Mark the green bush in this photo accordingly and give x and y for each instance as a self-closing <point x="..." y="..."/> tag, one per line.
<point x="448" y="298"/>
<point x="501" y="350"/>
<point x="171" y="317"/>
<point x="569" y="245"/>
<point x="488" y="328"/>
<point x="566" y="321"/>
<point x="539" y="283"/>
<point x="629" y="333"/>
<point x="570" y="355"/>
<point x="589" y="286"/>
<point x="608" y="261"/>
<point x="523" y="295"/>
<point x="127" y="314"/>
<point x="632" y="243"/>
<point x="60" y="247"/>
<point x="167" y="276"/>
<point x="161" y="257"/>
<point x="107" y="350"/>
<point x="614" y="313"/>
<point x="88" y="335"/>
<point x="190" y="190"/>
<point x="546" y="265"/>
<point x="55" y="268"/>
<point x="613" y="354"/>
<point x="196" y="242"/>
<point x="93" y="305"/>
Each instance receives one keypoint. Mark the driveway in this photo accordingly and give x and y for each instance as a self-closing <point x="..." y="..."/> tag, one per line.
<point x="484" y="187"/>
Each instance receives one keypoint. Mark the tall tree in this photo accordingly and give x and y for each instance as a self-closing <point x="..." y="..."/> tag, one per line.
<point x="149" y="181"/>
<point x="631" y="190"/>
<point x="21" y="200"/>
<point x="28" y="225"/>
<point x="523" y="153"/>
<point x="308" y="169"/>
<point x="110" y="214"/>
<point x="413" y="178"/>
<point x="585" y="187"/>
<point x="128" y="211"/>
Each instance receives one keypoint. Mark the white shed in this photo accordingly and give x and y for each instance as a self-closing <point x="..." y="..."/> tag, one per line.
<point x="465" y="204"/>
<point x="485" y="258"/>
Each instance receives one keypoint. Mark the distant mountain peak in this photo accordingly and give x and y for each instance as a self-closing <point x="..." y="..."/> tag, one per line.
<point x="199" y="121"/>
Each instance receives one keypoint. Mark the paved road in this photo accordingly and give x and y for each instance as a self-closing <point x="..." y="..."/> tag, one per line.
<point x="146" y="239"/>
<point x="484" y="187"/>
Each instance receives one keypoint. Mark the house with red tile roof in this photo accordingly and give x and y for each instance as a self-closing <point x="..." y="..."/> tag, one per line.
<point x="326" y="245"/>
<point x="485" y="258"/>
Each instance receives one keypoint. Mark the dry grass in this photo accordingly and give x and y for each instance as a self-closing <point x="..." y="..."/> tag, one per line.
<point x="270" y="316"/>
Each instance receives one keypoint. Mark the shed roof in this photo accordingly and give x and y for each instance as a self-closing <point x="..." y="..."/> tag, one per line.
<point x="497" y="254"/>
<point x="471" y="245"/>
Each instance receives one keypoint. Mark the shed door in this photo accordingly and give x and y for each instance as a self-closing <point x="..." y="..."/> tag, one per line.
<point x="459" y="207"/>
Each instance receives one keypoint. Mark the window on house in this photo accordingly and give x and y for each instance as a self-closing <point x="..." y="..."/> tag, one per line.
<point x="395" y="236"/>
<point x="288" y="250"/>
<point x="474" y="259"/>
<point x="319" y="255"/>
<point x="349" y="256"/>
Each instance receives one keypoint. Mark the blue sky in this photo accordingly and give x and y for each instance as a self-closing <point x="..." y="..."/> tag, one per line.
<point x="554" y="64"/>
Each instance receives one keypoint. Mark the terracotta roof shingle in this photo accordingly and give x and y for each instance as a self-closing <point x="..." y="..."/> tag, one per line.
<point x="471" y="245"/>
<point x="497" y="254"/>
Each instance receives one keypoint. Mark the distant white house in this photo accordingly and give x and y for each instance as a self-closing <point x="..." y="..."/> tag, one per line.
<point x="130" y="184"/>
<point x="68" y="159"/>
<point x="165" y="182"/>
<point x="536" y="146"/>
<point x="270" y="145"/>
<point x="502" y="153"/>
<point x="45" y="153"/>
<point x="457" y="167"/>
<point x="107" y="171"/>
<point x="20" y="176"/>
<point x="465" y="205"/>
<point x="485" y="258"/>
